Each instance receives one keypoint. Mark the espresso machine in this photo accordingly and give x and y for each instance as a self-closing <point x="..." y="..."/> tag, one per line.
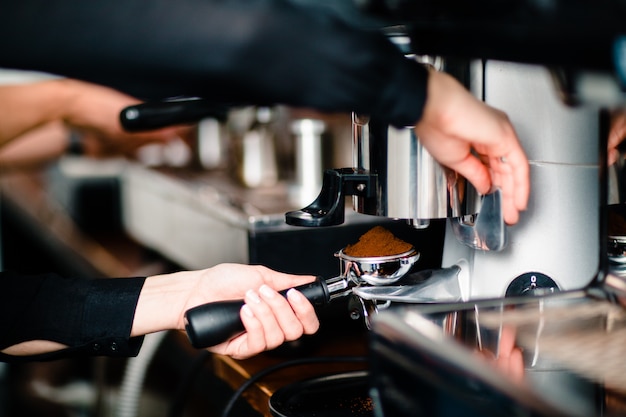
<point x="555" y="84"/>
<point x="555" y="245"/>
<point x="555" y="81"/>
<point x="551" y="249"/>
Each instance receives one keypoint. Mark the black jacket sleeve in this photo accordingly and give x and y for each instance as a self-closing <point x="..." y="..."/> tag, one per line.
<point x="245" y="52"/>
<point x="92" y="317"/>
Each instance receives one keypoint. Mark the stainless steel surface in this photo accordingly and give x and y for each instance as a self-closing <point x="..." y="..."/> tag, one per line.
<point x="491" y="331"/>
<point x="308" y="159"/>
<point x="441" y="285"/>
<point x="580" y="335"/>
<point x="339" y="287"/>
<point x="180" y="221"/>
<point x="411" y="184"/>
<point x="212" y="144"/>
<point x="180" y="213"/>
<point x="255" y="151"/>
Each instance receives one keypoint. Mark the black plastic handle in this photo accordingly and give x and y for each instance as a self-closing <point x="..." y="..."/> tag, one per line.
<point x="155" y="115"/>
<point x="213" y="323"/>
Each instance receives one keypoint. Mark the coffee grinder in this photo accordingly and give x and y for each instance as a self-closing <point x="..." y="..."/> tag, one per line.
<point x="531" y="60"/>
<point x="555" y="247"/>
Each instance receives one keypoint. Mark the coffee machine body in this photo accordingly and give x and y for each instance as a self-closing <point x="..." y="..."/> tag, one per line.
<point x="555" y="245"/>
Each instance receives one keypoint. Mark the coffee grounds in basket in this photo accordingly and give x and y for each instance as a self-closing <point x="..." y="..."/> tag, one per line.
<point x="378" y="241"/>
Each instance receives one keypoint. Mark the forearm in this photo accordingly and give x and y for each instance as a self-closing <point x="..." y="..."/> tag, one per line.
<point x="72" y="316"/>
<point x="232" y="51"/>
<point x="159" y="307"/>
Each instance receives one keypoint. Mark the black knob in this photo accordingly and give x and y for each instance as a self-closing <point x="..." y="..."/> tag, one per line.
<point x="531" y="283"/>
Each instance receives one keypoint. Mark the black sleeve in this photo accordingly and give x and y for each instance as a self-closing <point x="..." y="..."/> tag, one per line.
<point x="92" y="317"/>
<point x="232" y="51"/>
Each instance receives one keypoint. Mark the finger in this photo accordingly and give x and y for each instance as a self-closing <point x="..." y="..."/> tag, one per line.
<point x="247" y="344"/>
<point x="613" y="156"/>
<point x="618" y="130"/>
<point x="503" y="364"/>
<point x="516" y="367"/>
<point x="521" y="177"/>
<point x="304" y="310"/>
<point x="503" y="179"/>
<point x="507" y="341"/>
<point x="253" y="340"/>
<point x="616" y="136"/>
<point x="498" y="135"/>
<point x="288" y="324"/>
<point x="475" y="172"/>
<point x="272" y="333"/>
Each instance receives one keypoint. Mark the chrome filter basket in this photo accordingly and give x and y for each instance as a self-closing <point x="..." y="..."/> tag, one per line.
<point x="378" y="270"/>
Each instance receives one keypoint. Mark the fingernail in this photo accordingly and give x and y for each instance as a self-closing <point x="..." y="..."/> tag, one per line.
<point x="295" y="296"/>
<point x="267" y="291"/>
<point x="246" y="310"/>
<point x="253" y="296"/>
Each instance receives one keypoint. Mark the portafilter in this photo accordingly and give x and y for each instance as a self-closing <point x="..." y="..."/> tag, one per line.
<point x="213" y="323"/>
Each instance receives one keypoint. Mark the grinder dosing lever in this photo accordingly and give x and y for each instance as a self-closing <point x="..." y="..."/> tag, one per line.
<point x="213" y="323"/>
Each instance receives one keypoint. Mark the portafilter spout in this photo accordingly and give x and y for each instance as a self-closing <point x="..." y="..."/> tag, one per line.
<point x="488" y="231"/>
<point x="430" y="285"/>
<point x="213" y="323"/>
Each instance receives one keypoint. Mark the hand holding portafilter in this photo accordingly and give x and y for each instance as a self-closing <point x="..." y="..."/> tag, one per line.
<point x="213" y="323"/>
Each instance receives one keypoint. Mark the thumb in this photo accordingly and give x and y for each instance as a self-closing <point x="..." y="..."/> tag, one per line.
<point x="284" y="281"/>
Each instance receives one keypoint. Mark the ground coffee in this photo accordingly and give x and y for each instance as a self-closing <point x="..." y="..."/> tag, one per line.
<point x="378" y="241"/>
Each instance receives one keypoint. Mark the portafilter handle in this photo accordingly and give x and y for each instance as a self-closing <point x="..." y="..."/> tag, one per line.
<point x="214" y="323"/>
<point x="158" y="114"/>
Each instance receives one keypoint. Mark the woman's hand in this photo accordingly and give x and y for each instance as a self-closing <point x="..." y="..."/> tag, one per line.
<point x="475" y="140"/>
<point x="269" y="318"/>
<point x="94" y="112"/>
<point x="90" y="109"/>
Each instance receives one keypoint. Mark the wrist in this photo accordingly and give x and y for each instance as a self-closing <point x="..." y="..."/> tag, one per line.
<point x="161" y="304"/>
